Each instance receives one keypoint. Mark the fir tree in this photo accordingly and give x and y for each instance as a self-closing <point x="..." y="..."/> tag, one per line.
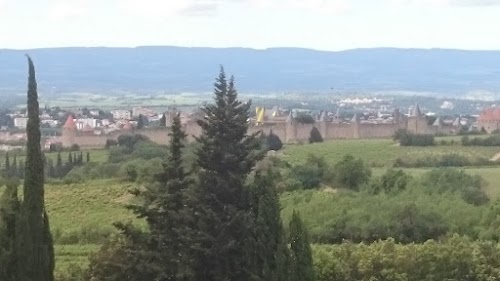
<point x="225" y="157"/>
<point x="163" y="208"/>
<point x="315" y="136"/>
<point x="301" y="262"/>
<point x="34" y="247"/>
<point x="88" y="156"/>
<point x="70" y="159"/>
<point x="9" y="211"/>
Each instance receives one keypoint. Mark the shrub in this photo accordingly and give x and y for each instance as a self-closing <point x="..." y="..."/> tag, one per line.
<point x="351" y="173"/>
<point x="454" y="259"/>
<point x="272" y="142"/>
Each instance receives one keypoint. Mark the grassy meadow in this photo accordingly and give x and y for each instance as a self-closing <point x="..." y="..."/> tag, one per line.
<point x="380" y="153"/>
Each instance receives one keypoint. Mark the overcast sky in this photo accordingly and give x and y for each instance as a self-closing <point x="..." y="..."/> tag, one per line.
<point x="317" y="24"/>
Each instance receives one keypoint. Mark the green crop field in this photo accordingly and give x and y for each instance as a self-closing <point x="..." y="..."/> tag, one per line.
<point x="68" y="256"/>
<point x="379" y="152"/>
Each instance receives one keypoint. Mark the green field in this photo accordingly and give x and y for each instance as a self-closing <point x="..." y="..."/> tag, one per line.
<point x="379" y="152"/>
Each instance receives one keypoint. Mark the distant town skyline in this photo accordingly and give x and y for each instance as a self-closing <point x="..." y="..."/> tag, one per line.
<point x="317" y="24"/>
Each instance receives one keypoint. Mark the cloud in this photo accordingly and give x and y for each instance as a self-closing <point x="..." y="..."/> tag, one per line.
<point x="167" y="8"/>
<point x="447" y="3"/>
<point x="3" y="6"/>
<point x="61" y="10"/>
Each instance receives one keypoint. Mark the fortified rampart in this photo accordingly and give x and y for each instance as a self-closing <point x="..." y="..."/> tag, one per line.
<point x="289" y="130"/>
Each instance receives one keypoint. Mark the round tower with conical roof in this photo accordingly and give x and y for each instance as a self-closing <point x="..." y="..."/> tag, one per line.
<point x="69" y="132"/>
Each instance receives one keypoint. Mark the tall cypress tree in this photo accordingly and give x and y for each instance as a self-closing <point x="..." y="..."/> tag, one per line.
<point x="13" y="168"/>
<point x="301" y="262"/>
<point x="225" y="158"/>
<point x="272" y="254"/>
<point x="7" y="164"/>
<point x="88" y="156"/>
<point x="34" y="247"/>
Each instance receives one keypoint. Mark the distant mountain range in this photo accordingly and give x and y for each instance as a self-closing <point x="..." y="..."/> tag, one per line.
<point x="178" y="69"/>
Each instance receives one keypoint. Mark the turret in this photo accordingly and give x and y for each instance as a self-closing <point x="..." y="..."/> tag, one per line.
<point x="69" y="132"/>
<point x="355" y="123"/>
<point x="291" y="128"/>
<point x="323" y="124"/>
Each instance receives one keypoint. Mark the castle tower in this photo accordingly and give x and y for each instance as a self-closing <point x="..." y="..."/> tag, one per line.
<point x="323" y="126"/>
<point x="356" y="124"/>
<point x="69" y="132"/>
<point x="337" y="119"/>
<point x="290" y="129"/>
<point x="417" y="124"/>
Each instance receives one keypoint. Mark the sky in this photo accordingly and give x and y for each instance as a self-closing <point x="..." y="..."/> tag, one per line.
<point x="317" y="24"/>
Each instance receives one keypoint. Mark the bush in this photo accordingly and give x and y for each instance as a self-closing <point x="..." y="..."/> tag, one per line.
<point x="407" y="139"/>
<point x="442" y="181"/>
<point x="351" y="173"/>
<point x="272" y="142"/>
<point x="489" y="141"/>
<point x="454" y="259"/>
<point x="392" y="181"/>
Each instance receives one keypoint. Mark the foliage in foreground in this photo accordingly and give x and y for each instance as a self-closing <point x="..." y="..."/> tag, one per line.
<point x="454" y="259"/>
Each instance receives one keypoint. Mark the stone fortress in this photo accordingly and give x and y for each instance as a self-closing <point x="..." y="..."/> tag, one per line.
<point x="287" y="128"/>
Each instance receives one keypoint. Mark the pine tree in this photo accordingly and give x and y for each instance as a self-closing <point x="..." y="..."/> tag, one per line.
<point x="162" y="207"/>
<point x="9" y="211"/>
<point x="70" y="160"/>
<point x="301" y="262"/>
<point x="88" y="156"/>
<point x="34" y="247"/>
<point x="225" y="158"/>
<point x="272" y="252"/>
<point x="80" y="158"/>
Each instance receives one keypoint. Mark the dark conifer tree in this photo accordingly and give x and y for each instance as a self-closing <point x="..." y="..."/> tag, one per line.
<point x="301" y="262"/>
<point x="59" y="166"/>
<point x="163" y="120"/>
<point x="271" y="248"/>
<point x="21" y="169"/>
<point x="163" y="249"/>
<point x="88" y="156"/>
<point x="9" y="212"/>
<point x="7" y="164"/>
<point x="80" y="158"/>
<point x="140" y="122"/>
<point x="225" y="157"/>
<point x="315" y="136"/>
<point x="70" y="159"/>
<point x="34" y="247"/>
<point x="13" y="168"/>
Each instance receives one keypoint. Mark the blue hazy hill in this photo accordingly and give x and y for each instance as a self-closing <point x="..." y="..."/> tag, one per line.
<point x="276" y="69"/>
